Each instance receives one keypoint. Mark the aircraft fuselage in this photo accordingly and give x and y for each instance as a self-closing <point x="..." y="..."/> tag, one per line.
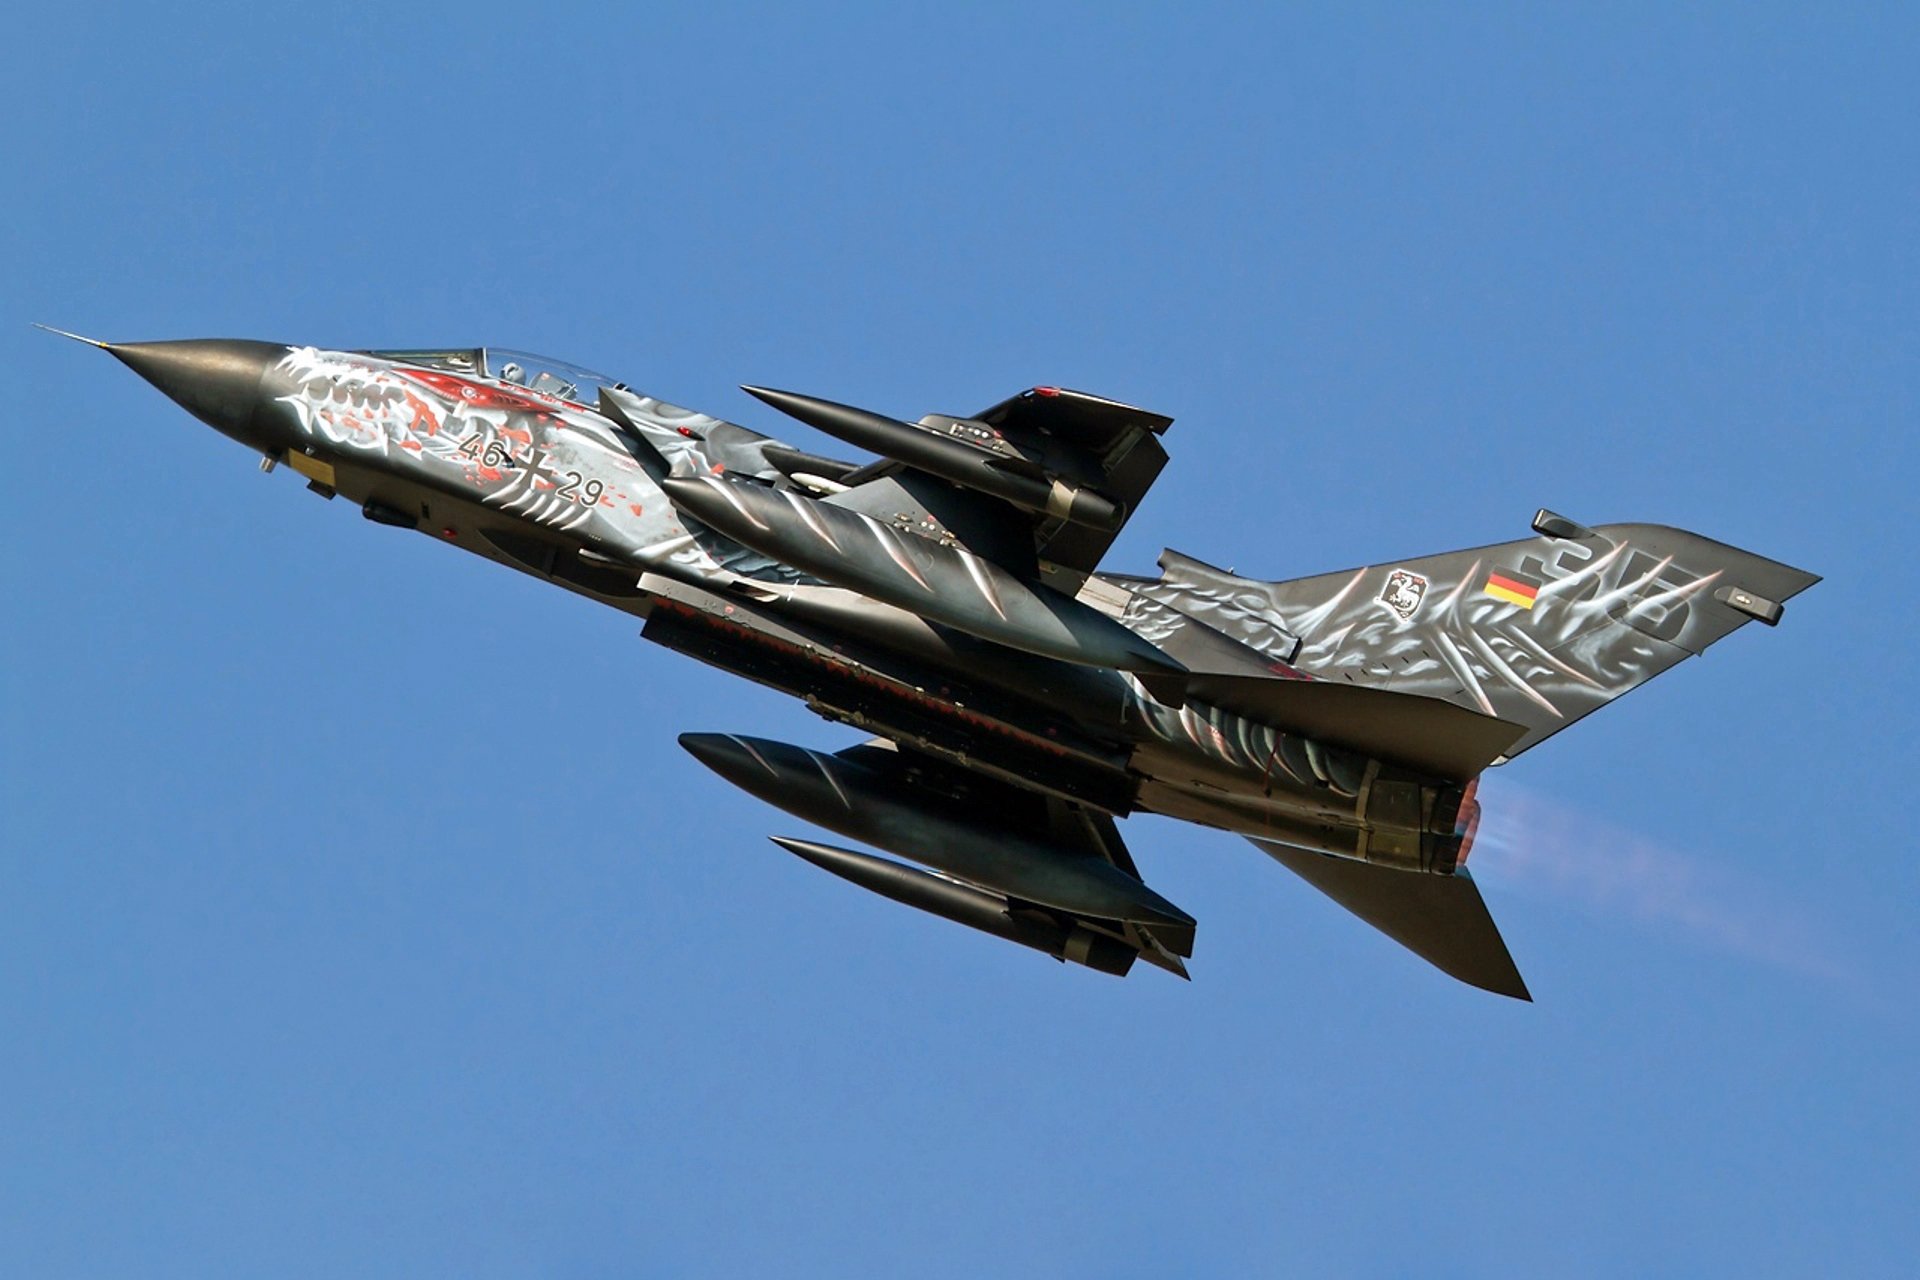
<point x="538" y="478"/>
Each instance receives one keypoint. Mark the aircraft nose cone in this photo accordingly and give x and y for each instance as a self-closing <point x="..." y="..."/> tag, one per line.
<point x="217" y="380"/>
<point x="711" y="749"/>
<point x="725" y="754"/>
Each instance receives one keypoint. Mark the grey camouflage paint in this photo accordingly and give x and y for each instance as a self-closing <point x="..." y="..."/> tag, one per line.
<point x="1613" y="609"/>
<point x="554" y="463"/>
<point x="1537" y="632"/>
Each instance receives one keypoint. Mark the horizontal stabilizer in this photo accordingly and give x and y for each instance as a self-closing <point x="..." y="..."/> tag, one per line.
<point x="1435" y="737"/>
<point x="1441" y="919"/>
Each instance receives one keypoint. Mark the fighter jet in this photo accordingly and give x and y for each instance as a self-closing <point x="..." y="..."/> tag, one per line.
<point x="944" y="596"/>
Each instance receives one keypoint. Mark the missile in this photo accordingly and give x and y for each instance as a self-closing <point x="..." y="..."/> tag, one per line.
<point x="975" y="908"/>
<point x="942" y="582"/>
<point x="1012" y="478"/>
<point x="867" y="805"/>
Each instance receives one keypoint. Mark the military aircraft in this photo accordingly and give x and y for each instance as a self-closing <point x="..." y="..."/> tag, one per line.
<point x="945" y="598"/>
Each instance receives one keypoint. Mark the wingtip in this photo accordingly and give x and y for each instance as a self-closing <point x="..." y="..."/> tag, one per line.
<point x="1512" y="986"/>
<point x="1167" y="961"/>
<point x="77" y="337"/>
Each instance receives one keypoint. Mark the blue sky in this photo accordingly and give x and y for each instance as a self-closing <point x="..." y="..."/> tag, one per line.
<point x="361" y="916"/>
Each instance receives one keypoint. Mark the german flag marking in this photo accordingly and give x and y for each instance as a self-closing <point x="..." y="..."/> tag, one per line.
<point x="1512" y="588"/>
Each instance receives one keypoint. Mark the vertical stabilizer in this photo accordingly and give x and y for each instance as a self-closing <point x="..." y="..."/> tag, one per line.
<point x="1538" y="633"/>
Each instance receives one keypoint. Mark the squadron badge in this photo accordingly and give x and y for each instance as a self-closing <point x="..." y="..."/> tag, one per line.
<point x="1403" y="593"/>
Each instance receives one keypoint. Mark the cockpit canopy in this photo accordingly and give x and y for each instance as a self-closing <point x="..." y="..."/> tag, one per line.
<point x="545" y="374"/>
<point x="520" y="368"/>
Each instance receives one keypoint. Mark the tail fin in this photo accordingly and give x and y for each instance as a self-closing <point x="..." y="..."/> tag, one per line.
<point x="1539" y="632"/>
<point x="1441" y="919"/>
